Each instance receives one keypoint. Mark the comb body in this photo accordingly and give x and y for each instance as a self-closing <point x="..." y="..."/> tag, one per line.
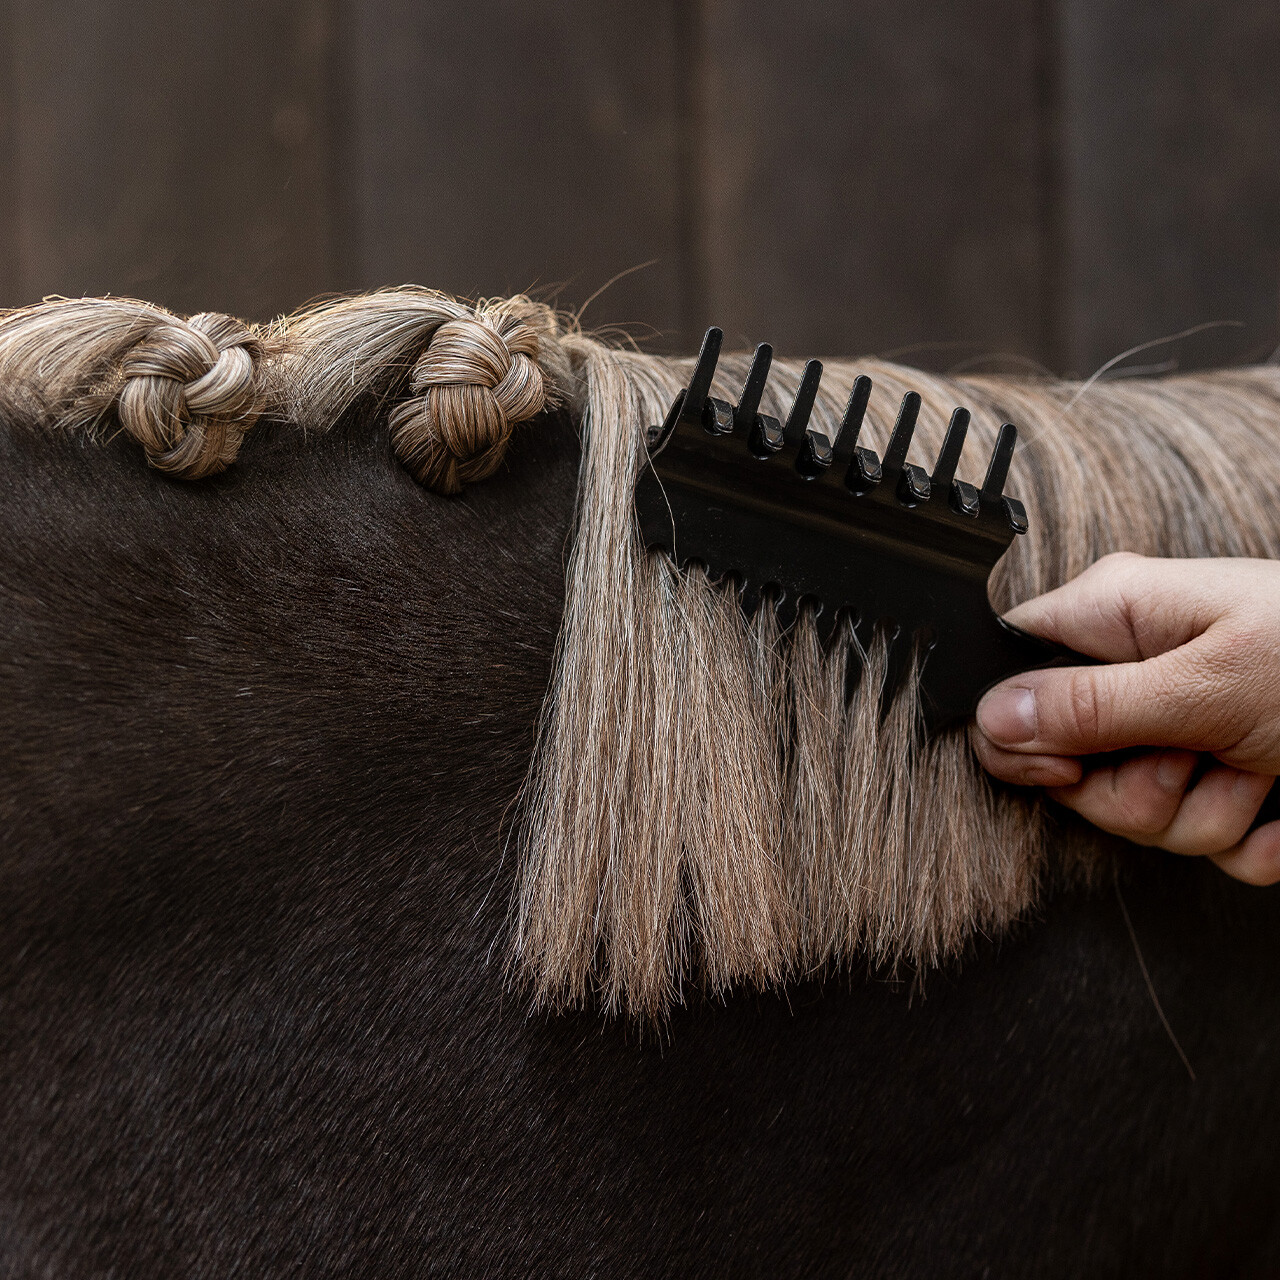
<point x="828" y="523"/>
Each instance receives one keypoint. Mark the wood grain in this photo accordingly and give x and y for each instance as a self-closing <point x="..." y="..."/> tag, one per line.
<point x="1058" y="180"/>
<point x="10" y="269"/>
<point x="177" y="152"/>
<point x="1171" y="162"/>
<point x="872" y="176"/>
<point x="533" y="148"/>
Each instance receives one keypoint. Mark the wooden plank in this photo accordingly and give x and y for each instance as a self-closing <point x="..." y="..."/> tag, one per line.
<point x="532" y="147"/>
<point x="176" y="152"/>
<point x="1171" y="184"/>
<point x="873" y="176"/>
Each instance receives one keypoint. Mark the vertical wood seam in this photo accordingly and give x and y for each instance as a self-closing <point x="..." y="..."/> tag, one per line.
<point x="12" y="275"/>
<point x="343" y="153"/>
<point x="691" y="71"/>
<point x="1055" y="343"/>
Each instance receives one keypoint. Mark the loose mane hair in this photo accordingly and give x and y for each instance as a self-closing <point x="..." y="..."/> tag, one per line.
<point x="702" y="806"/>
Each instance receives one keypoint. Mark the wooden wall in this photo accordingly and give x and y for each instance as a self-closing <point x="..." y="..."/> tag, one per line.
<point x="1053" y="180"/>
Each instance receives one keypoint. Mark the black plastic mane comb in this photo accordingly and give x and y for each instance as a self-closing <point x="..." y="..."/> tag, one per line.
<point x="783" y="509"/>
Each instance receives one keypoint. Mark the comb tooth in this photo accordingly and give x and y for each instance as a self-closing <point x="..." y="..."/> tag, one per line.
<point x="851" y="424"/>
<point x="815" y="454"/>
<point x="998" y="471"/>
<point x="744" y="416"/>
<point x="913" y="481"/>
<point x="913" y="484"/>
<point x="964" y="498"/>
<point x="864" y="471"/>
<point x="766" y="437"/>
<point x="896" y="454"/>
<point x="718" y="417"/>
<point x="699" y="388"/>
<point x="945" y="471"/>
<point x="802" y="406"/>
<point x="1016" y="514"/>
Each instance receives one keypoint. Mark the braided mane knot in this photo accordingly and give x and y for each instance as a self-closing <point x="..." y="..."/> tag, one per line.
<point x="190" y="392"/>
<point x="477" y="379"/>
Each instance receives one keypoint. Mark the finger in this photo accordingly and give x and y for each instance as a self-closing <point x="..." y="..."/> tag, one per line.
<point x="1216" y="813"/>
<point x="1025" y="770"/>
<point x="1125" y="607"/>
<point x="1138" y="798"/>
<point x="1256" y="859"/>
<point x="1209" y="819"/>
<point x="1072" y="711"/>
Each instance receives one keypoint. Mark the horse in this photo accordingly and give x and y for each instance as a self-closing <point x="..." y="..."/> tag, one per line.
<point x="263" y="740"/>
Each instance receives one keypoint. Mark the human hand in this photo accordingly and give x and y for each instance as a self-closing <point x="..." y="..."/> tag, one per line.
<point x="1194" y="654"/>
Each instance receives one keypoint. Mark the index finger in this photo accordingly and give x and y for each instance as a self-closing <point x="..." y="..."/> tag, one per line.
<point x="1124" y="607"/>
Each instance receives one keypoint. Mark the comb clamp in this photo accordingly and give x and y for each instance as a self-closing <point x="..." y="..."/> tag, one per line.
<point x="794" y="516"/>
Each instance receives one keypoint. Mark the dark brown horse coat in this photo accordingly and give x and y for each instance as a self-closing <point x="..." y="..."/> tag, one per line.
<point x="258" y="737"/>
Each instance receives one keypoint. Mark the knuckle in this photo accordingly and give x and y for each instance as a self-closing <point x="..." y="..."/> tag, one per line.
<point x="1110" y="598"/>
<point x="1214" y="837"/>
<point x="1149" y="815"/>
<point x="1119" y="559"/>
<point x="1257" y="749"/>
<point x="1082" y="710"/>
<point x="1117" y="565"/>
<point x="1222" y="827"/>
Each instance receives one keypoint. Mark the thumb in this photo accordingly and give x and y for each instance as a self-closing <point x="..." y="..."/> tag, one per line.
<point x="1076" y="711"/>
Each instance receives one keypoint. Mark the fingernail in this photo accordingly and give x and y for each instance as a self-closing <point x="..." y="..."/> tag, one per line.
<point x="1008" y="715"/>
<point x="1173" y="771"/>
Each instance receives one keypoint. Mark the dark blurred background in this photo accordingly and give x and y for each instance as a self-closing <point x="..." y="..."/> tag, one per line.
<point x="1045" y="180"/>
